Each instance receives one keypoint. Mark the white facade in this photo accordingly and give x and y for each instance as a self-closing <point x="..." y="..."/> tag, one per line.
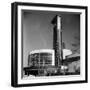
<point x="51" y="51"/>
<point x="66" y="52"/>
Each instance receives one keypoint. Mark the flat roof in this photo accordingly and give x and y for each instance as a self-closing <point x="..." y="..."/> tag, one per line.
<point x="42" y="51"/>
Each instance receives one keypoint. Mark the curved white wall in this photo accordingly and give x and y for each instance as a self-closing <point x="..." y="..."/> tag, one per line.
<point x="51" y="51"/>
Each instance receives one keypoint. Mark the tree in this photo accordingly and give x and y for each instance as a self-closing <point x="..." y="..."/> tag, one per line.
<point x="76" y="44"/>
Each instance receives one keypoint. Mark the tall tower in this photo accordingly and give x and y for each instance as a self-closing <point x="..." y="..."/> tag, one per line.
<point x="57" y="40"/>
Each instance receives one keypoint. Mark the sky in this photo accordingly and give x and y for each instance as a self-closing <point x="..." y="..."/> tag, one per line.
<point x="38" y="30"/>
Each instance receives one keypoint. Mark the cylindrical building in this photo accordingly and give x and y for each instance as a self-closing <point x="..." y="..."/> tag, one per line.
<point x="43" y="57"/>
